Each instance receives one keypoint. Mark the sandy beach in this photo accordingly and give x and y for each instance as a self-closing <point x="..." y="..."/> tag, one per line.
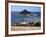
<point x="24" y="28"/>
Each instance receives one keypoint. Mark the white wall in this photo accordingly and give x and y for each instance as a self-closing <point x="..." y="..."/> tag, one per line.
<point x="2" y="19"/>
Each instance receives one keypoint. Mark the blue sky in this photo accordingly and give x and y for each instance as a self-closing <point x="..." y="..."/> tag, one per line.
<point x="29" y="8"/>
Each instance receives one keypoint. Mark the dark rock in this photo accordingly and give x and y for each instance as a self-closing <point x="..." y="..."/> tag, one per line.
<point x="25" y="12"/>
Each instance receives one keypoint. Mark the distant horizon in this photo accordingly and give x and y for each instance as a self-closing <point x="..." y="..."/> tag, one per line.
<point x="28" y="8"/>
<point x="20" y="11"/>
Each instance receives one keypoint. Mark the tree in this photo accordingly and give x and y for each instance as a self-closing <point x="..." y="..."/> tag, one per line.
<point x="37" y="24"/>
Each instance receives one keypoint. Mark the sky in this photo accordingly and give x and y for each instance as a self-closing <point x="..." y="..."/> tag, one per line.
<point x="29" y="8"/>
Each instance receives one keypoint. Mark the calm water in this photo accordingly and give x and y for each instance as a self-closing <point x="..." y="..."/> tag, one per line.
<point x="17" y="18"/>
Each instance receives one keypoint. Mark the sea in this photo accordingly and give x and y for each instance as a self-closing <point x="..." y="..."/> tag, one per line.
<point x="18" y="18"/>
